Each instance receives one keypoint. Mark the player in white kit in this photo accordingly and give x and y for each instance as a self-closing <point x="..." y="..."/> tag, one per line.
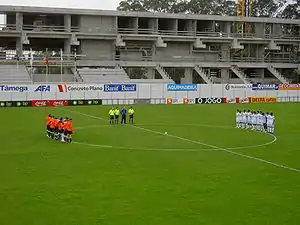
<point x="271" y="123"/>
<point x="237" y="118"/>
<point x="244" y="119"/>
<point x="260" y="122"/>
<point x="264" y="122"/>
<point x="249" y="114"/>
<point x="254" y="121"/>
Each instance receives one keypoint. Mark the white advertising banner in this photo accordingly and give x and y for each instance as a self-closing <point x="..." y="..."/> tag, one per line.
<point x="179" y="93"/>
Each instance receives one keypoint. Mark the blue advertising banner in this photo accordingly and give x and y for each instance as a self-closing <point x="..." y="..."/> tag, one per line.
<point x="264" y="87"/>
<point x="182" y="87"/>
<point x="119" y="87"/>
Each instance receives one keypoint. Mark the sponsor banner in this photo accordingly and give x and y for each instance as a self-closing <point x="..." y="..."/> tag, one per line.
<point x="85" y="102"/>
<point x="119" y="87"/>
<point x="79" y="87"/>
<point x="264" y="87"/>
<point x="15" y="104"/>
<point x="232" y="100"/>
<point x="177" y="101"/>
<point x="182" y="87"/>
<point x="39" y="103"/>
<point x="14" y="88"/>
<point x="56" y="103"/>
<point x="289" y="87"/>
<point x="243" y="100"/>
<point x="142" y="101"/>
<point x="51" y="103"/>
<point x="237" y="86"/>
<point x="188" y="101"/>
<point x="169" y="101"/>
<point x="42" y="88"/>
<point x="263" y="100"/>
<point x="210" y="100"/>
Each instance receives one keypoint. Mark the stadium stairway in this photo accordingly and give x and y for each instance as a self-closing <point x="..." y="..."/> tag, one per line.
<point x="14" y="74"/>
<point x="277" y="74"/>
<point x="203" y="75"/>
<point x="240" y="74"/>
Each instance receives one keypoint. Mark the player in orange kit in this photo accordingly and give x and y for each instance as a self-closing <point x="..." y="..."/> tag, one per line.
<point x="69" y="130"/>
<point x="48" y="120"/>
<point x="52" y="127"/>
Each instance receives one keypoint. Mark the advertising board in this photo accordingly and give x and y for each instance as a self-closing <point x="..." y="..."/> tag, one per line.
<point x="182" y="87"/>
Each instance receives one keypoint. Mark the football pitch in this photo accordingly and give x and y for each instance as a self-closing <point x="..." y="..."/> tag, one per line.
<point x="203" y="171"/>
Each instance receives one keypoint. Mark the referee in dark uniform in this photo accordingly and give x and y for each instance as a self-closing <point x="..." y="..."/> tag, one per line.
<point x="123" y="115"/>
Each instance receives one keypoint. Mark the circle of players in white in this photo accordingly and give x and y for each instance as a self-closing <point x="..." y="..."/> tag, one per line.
<point x="255" y="120"/>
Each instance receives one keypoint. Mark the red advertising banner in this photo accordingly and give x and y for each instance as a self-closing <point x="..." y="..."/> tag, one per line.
<point x="51" y="103"/>
<point x="169" y="101"/>
<point x="39" y="103"/>
<point x="185" y="101"/>
<point x="55" y="103"/>
<point x="232" y="100"/>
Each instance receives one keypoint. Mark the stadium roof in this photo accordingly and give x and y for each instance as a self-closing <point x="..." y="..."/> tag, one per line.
<point x="46" y="10"/>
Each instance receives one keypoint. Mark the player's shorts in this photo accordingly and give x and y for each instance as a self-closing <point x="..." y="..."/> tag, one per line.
<point x="56" y="129"/>
<point x="116" y="116"/>
<point x="48" y="127"/>
<point x="61" y="131"/>
<point x="70" y="132"/>
<point x="131" y="116"/>
<point x="112" y="117"/>
<point x="52" y="129"/>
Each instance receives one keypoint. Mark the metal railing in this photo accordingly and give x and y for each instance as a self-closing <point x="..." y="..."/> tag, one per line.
<point x="143" y="31"/>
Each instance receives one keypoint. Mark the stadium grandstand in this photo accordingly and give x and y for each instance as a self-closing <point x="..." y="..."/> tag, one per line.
<point x="43" y="45"/>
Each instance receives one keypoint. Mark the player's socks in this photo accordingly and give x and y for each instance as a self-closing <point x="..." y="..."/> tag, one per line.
<point x="62" y="138"/>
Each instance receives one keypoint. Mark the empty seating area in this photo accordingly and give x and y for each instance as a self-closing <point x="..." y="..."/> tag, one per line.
<point x="103" y="75"/>
<point x="114" y="75"/>
<point x="14" y="74"/>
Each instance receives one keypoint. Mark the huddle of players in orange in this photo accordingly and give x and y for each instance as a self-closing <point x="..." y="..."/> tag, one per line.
<point x="59" y="129"/>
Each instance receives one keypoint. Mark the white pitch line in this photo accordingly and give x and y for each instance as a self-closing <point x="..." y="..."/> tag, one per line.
<point x="200" y="143"/>
<point x="147" y="149"/>
<point x="199" y="125"/>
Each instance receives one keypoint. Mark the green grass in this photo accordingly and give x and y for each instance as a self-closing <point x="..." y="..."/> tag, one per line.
<point x="46" y="182"/>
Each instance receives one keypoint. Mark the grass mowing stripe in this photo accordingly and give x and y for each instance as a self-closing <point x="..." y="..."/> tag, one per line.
<point x="200" y="143"/>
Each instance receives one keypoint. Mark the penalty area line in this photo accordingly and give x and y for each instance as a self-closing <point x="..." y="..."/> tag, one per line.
<point x="200" y="143"/>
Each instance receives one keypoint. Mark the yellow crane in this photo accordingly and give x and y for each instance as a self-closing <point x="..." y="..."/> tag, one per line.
<point x="243" y="9"/>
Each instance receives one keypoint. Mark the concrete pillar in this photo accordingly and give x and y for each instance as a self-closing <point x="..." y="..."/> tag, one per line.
<point x="153" y="25"/>
<point x="225" y="75"/>
<point x="188" y="76"/>
<point x="151" y="73"/>
<point x="260" y="53"/>
<point x="67" y="46"/>
<point x="260" y="30"/>
<point x="225" y="53"/>
<point x="67" y="23"/>
<point x="194" y="27"/>
<point x="175" y="26"/>
<point x="19" y="21"/>
<point x="67" y="50"/>
<point x="19" y="46"/>
<point x="213" y="26"/>
<point x="134" y="24"/>
<point x="19" y="27"/>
